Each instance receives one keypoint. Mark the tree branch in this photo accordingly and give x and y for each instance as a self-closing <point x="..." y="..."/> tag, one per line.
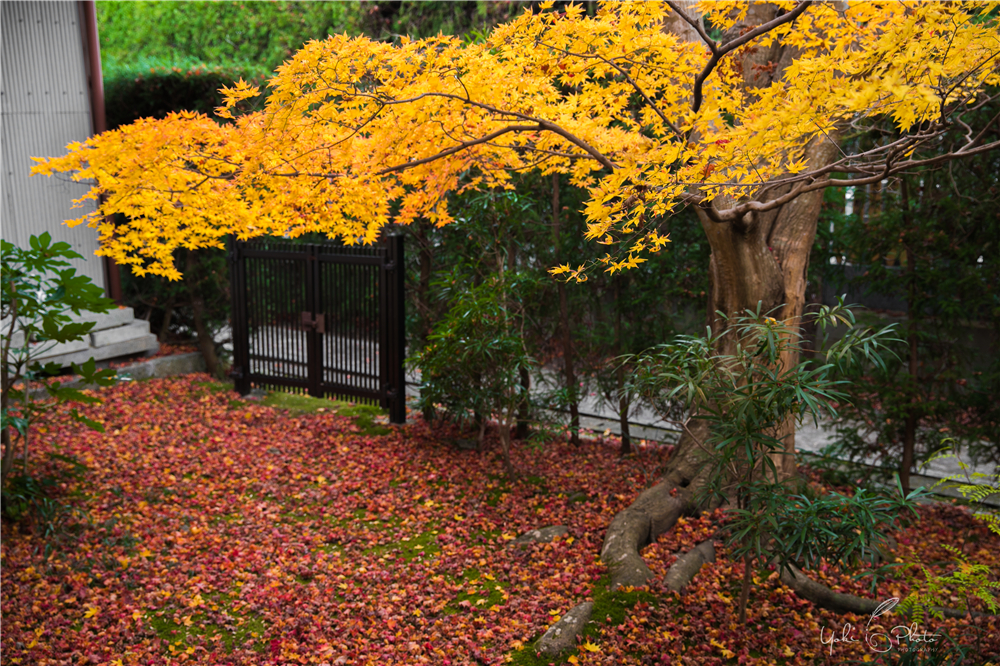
<point x="807" y="183"/>
<point x="464" y="145"/>
<point x="631" y="82"/>
<point x="698" y="26"/>
<point x="542" y="124"/>
<point x="720" y="51"/>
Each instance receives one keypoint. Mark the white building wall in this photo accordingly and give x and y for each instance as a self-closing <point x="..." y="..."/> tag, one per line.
<point x="45" y="105"/>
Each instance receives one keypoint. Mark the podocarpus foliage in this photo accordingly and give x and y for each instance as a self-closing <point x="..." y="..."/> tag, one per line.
<point x="475" y="355"/>
<point x="40" y="290"/>
<point x="745" y="397"/>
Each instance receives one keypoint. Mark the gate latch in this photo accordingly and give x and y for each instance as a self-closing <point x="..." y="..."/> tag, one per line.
<point x="316" y="323"/>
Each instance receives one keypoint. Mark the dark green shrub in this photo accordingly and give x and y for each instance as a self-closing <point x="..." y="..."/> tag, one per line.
<point x="198" y="307"/>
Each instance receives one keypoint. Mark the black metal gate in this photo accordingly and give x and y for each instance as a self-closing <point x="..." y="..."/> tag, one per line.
<point x="322" y="319"/>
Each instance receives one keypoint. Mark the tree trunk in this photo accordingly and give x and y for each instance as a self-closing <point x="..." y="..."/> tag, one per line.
<point x="761" y="258"/>
<point x="168" y="313"/>
<point x="912" y="315"/>
<point x="505" y="447"/>
<point x="425" y="312"/>
<point x="623" y="407"/>
<point x="764" y="259"/>
<point x="523" y="424"/>
<point x="566" y="337"/>
<point x="7" y="443"/>
<point x="626" y="446"/>
<point x="206" y="343"/>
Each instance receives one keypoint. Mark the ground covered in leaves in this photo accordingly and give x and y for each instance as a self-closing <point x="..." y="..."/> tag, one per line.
<point x="214" y="530"/>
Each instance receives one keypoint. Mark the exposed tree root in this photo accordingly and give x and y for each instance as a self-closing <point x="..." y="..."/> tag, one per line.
<point x="838" y="602"/>
<point x="824" y="597"/>
<point x="654" y="512"/>
<point x="657" y="509"/>
<point x="689" y="564"/>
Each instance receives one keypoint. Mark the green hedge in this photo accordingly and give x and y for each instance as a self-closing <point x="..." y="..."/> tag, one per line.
<point x="151" y="88"/>
<point x="197" y="308"/>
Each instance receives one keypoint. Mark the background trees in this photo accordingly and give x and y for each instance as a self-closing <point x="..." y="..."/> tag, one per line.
<point x="923" y="246"/>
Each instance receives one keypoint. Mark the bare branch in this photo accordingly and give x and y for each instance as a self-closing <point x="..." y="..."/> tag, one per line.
<point x="697" y="25"/>
<point x="464" y="145"/>
<point x="981" y="134"/>
<point x="722" y="50"/>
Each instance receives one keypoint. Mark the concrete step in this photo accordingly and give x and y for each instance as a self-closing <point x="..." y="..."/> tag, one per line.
<point x="146" y="344"/>
<point x="112" y="319"/>
<point x="45" y="350"/>
<point x="110" y="336"/>
<point x="115" y="334"/>
<point x="117" y="317"/>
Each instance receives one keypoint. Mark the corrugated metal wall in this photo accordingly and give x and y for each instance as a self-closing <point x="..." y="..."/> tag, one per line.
<point x="45" y="104"/>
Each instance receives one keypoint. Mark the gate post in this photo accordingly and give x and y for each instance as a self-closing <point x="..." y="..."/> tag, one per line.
<point x="394" y="319"/>
<point x="314" y="339"/>
<point x="238" y="318"/>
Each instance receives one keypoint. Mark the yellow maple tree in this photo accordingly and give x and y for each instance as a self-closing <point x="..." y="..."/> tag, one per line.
<point x="356" y="133"/>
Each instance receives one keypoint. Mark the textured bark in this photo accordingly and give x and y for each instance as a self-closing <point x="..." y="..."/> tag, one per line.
<point x="206" y="343"/>
<point x="764" y="259"/>
<point x="760" y="258"/>
<point x="565" y="329"/>
<point x="562" y="635"/>
<point x="687" y="566"/>
<point x="655" y="511"/>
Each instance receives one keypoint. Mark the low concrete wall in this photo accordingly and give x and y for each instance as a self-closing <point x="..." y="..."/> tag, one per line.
<point x="115" y="334"/>
<point x="164" y="366"/>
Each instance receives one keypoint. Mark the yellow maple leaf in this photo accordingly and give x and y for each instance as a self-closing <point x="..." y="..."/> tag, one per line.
<point x="590" y="647"/>
<point x="92" y="611"/>
<point x="726" y="652"/>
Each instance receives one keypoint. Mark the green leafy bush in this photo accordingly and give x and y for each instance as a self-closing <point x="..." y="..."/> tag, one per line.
<point x="474" y="358"/>
<point x="40" y="290"/>
<point x="746" y="396"/>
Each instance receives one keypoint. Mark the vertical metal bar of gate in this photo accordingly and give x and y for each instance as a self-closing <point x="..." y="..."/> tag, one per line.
<point x="392" y="335"/>
<point x="240" y="323"/>
<point x="314" y="345"/>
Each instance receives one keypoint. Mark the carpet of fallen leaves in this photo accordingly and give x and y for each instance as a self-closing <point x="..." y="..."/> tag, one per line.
<point x="222" y="531"/>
